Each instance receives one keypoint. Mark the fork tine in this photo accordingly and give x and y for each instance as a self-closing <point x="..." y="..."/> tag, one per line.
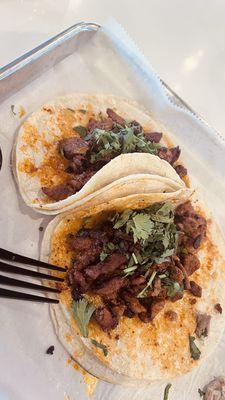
<point x="5" y="280"/>
<point x="9" y="256"/>
<point x="23" y="271"/>
<point x="11" y="294"/>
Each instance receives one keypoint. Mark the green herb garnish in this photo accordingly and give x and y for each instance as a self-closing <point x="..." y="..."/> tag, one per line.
<point x="119" y="140"/>
<point x="154" y="229"/>
<point x="108" y="249"/>
<point x="13" y="109"/>
<point x="82" y="311"/>
<point x="172" y="287"/>
<point x="130" y="270"/>
<point x="194" y="350"/>
<point x="166" y="391"/>
<point x="70" y="109"/>
<point x="100" y="346"/>
<point x="82" y="111"/>
<point x="81" y="130"/>
<point x="143" y="293"/>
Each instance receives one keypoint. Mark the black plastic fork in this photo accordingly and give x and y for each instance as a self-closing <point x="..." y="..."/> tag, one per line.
<point x="6" y="255"/>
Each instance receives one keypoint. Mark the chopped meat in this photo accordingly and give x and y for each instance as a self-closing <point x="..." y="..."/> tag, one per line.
<point x="156" y="288"/>
<point x="181" y="170"/>
<point x="133" y="303"/>
<point x="81" y="243"/>
<point x="202" y="325"/>
<point x="105" y="318"/>
<point x="118" y="310"/>
<point x="145" y="317"/>
<point x="76" y="165"/>
<point x="78" y="181"/>
<point x="170" y="155"/>
<point x="184" y="273"/>
<point x="112" y="263"/>
<point x="176" y="274"/>
<point x="157" y="306"/>
<point x="171" y="315"/>
<point x="106" y="124"/>
<point x="64" y="190"/>
<point x="191" y="225"/>
<point x="218" y="308"/>
<point x="177" y="296"/>
<point x="77" y="279"/>
<point x="215" y="389"/>
<point x="128" y="313"/>
<point x="195" y="289"/>
<point x="138" y="280"/>
<point x="72" y="146"/>
<point x="112" y="285"/>
<point x="184" y="209"/>
<point x="154" y="137"/>
<point x="191" y="263"/>
<point x="115" y="117"/>
<point x="192" y="301"/>
<point x="75" y="293"/>
<point x="89" y="247"/>
<point x="58" y="192"/>
<point x="197" y="241"/>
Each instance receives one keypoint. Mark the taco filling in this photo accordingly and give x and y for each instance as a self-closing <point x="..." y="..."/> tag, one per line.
<point x="135" y="261"/>
<point x="99" y="141"/>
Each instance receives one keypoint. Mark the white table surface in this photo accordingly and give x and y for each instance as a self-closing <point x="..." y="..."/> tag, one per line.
<point x="183" y="40"/>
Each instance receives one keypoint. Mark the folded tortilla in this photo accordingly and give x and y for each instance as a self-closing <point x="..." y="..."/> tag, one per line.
<point x="144" y="353"/>
<point x="37" y="162"/>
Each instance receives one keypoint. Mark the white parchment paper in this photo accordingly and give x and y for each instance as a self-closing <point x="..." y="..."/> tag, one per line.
<point x="108" y="63"/>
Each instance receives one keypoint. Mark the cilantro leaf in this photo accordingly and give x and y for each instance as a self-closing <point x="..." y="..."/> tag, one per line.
<point x="166" y="391"/>
<point x="100" y="346"/>
<point x="121" y="219"/>
<point x="82" y="311"/>
<point x="108" y="248"/>
<point x="143" y="227"/>
<point x="81" y="130"/>
<point x="149" y="284"/>
<point x="194" y="350"/>
<point x="172" y="287"/>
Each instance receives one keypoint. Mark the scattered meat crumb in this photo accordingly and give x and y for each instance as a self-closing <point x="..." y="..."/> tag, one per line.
<point x="218" y="308"/>
<point x="171" y="315"/>
<point x="50" y="350"/>
<point x="41" y="228"/>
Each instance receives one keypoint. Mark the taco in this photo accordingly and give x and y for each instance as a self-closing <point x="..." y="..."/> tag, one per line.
<point x="76" y="145"/>
<point x="144" y="295"/>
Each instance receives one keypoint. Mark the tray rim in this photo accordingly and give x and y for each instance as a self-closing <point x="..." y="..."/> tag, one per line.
<point x="42" y="49"/>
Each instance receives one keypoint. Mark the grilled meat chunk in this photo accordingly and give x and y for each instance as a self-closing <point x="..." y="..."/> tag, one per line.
<point x="73" y="146"/>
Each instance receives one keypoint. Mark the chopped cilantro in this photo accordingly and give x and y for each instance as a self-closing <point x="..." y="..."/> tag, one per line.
<point x="119" y="140"/>
<point x="166" y="391"/>
<point x="100" y="346"/>
<point x="172" y="287"/>
<point x="194" y="350"/>
<point x="108" y="249"/>
<point x="82" y="311"/>
<point x="149" y="284"/>
<point x="154" y="229"/>
<point x="81" y="130"/>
